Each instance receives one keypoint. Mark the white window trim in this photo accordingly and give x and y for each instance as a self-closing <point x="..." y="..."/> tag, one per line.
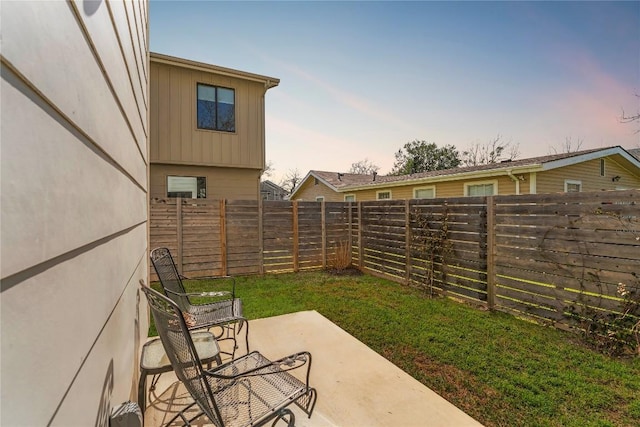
<point x="350" y="195"/>
<point x="427" y="187"/>
<point x="567" y="182"/>
<point x="473" y="183"/>
<point x="384" y="191"/>
<point x="319" y="198"/>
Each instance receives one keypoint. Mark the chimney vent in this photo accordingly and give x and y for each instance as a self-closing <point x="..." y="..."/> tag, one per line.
<point x="374" y="175"/>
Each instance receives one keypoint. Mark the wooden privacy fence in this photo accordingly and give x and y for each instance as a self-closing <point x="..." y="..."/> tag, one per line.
<point x="535" y="255"/>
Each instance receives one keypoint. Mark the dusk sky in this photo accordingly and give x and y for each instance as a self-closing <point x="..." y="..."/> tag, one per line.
<point x="360" y="79"/>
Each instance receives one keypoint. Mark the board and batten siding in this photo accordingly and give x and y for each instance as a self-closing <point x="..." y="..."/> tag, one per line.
<point x="175" y="138"/>
<point x="74" y="181"/>
<point x="222" y="183"/>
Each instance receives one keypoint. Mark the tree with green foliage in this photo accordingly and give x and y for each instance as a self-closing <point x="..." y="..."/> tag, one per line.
<point x="421" y="156"/>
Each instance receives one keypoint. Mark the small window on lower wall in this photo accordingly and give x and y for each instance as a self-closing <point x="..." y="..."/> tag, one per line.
<point x="349" y="197"/>
<point x="487" y="188"/>
<point x="572" y="186"/>
<point x="383" y="195"/>
<point x="320" y="199"/>
<point x="187" y="186"/>
<point x="424" y="193"/>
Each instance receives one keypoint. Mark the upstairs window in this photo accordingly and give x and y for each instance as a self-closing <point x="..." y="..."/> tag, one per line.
<point x="189" y="187"/>
<point x="349" y="197"/>
<point x="216" y="108"/>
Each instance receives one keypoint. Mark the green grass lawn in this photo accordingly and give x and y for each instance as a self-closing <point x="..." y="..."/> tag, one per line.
<point x="501" y="370"/>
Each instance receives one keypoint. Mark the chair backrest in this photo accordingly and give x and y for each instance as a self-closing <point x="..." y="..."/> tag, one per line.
<point x="169" y="277"/>
<point x="177" y="342"/>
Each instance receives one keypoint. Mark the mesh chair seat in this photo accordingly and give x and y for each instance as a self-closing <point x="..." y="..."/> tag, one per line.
<point x="248" y="400"/>
<point x="216" y="313"/>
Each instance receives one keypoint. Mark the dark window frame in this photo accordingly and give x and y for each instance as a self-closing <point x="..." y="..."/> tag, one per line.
<point x="201" y="187"/>
<point x="212" y="120"/>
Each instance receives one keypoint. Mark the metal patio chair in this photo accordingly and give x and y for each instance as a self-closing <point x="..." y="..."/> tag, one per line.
<point x="248" y="391"/>
<point x="223" y="312"/>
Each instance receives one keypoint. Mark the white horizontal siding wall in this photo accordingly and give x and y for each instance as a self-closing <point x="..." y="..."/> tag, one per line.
<point x="73" y="225"/>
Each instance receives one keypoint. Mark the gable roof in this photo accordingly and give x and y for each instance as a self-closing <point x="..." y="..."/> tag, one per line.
<point x="270" y="185"/>
<point x="342" y="182"/>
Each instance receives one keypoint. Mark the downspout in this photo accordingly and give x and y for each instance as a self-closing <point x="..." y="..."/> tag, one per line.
<point x="514" y="179"/>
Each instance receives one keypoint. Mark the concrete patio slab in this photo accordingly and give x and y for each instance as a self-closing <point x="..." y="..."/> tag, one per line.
<point x="356" y="386"/>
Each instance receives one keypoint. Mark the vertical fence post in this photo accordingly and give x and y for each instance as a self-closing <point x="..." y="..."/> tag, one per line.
<point x="491" y="250"/>
<point x="350" y="231"/>
<point x="323" y="226"/>
<point x="223" y="237"/>
<point x="261" y="235"/>
<point x="179" y="234"/>
<point x="296" y="245"/>
<point x="407" y="240"/>
<point x="360" y="227"/>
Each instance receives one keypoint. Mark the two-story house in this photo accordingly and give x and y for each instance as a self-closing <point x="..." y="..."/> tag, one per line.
<point x="207" y="130"/>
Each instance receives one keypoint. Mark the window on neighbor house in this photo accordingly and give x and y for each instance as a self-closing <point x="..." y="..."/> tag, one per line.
<point x="350" y="198"/>
<point x="602" y="169"/>
<point x="383" y="195"/>
<point x="481" y="189"/>
<point x="424" y="193"/>
<point x="572" y="186"/>
<point x="216" y="108"/>
<point x="189" y="187"/>
<point x="320" y="199"/>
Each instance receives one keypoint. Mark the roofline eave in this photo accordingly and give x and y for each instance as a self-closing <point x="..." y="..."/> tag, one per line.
<point x="442" y="178"/>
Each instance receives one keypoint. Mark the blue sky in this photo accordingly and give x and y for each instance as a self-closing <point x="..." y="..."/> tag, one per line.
<point x="360" y="79"/>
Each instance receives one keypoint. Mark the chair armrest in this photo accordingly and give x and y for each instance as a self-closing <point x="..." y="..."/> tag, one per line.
<point x="288" y="363"/>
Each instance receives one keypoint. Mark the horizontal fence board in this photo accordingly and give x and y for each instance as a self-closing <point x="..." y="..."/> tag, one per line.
<point x="550" y="251"/>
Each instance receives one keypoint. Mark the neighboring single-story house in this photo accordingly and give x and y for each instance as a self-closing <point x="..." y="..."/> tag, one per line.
<point x="272" y="191"/>
<point x="611" y="168"/>
<point x="207" y="130"/>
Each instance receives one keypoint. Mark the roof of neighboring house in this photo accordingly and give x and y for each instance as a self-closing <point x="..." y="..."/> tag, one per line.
<point x="342" y="182"/>
<point x="269" y="82"/>
<point x="635" y="152"/>
<point x="271" y="185"/>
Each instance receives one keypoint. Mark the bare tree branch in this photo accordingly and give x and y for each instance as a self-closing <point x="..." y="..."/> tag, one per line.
<point x="569" y="146"/>
<point x="290" y="180"/>
<point x="493" y="151"/>
<point x="364" y="167"/>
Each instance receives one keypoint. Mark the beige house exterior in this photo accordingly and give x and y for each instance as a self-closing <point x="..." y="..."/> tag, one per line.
<point x="611" y="168"/>
<point x="74" y="208"/>
<point x="207" y="130"/>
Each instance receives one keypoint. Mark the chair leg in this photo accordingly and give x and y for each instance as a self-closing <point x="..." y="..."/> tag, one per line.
<point x="287" y="416"/>
<point x="307" y="401"/>
<point x="142" y="390"/>
<point x="246" y="335"/>
<point x="187" y="422"/>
